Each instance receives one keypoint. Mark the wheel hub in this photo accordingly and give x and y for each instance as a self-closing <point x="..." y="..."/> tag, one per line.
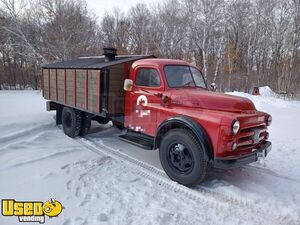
<point x="180" y="158"/>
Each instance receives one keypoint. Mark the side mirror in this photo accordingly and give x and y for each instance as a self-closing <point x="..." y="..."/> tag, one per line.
<point x="213" y="86"/>
<point x="128" y="84"/>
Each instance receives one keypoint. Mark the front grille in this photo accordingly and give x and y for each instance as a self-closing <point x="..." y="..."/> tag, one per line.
<point x="252" y="135"/>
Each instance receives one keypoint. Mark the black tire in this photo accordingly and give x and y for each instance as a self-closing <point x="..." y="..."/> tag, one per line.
<point x="183" y="158"/>
<point x="85" y="124"/>
<point x="71" y="121"/>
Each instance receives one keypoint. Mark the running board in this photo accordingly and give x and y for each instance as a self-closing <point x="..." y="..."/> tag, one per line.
<point x="137" y="139"/>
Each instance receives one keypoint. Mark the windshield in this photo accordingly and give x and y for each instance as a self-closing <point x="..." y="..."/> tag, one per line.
<point x="184" y="76"/>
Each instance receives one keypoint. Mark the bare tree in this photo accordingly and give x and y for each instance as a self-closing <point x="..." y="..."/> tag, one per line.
<point x="140" y="18"/>
<point x="115" y="30"/>
<point x="45" y="31"/>
<point x="238" y="44"/>
<point x="205" y="16"/>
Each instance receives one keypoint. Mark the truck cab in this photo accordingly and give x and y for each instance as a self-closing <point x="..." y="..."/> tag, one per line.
<point x="163" y="96"/>
<point x="163" y="105"/>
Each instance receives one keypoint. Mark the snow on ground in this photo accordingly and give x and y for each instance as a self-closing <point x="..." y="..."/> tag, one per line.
<point x="37" y="161"/>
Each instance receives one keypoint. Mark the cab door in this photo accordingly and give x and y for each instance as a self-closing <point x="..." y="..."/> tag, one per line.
<point x="143" y="101"/>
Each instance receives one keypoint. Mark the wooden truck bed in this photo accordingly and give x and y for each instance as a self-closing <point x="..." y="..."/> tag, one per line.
<point x="89" y="84"/>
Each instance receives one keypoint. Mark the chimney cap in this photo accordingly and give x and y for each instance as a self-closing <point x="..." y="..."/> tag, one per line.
<point x="109" y="50"/>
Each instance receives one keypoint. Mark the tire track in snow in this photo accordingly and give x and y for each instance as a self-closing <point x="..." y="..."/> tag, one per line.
<point x="39" y="159"/>
<point x="19" y="136"/>
<point x="201" y="195"/>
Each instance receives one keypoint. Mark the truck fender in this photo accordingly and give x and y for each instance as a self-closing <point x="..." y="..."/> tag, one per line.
<point x="184" y="122"/>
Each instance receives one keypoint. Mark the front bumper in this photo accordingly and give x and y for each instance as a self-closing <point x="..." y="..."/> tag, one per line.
<point x="234" y="162"/>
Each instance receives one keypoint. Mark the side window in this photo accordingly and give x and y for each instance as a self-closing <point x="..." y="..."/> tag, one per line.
<point x="147" y="78"/>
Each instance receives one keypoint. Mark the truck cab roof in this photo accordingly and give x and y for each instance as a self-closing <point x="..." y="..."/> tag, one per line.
<point x="157" y="62"/>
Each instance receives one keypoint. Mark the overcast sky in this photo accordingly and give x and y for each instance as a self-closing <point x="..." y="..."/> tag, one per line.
<point x="100" y="6"/>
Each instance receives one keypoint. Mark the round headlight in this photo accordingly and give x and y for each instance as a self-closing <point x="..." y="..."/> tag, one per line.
<point x="235" y="127"/>
<point x="269" y="121"/>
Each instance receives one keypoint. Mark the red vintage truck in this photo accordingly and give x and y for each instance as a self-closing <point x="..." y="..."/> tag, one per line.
<point x="163" y="104"/>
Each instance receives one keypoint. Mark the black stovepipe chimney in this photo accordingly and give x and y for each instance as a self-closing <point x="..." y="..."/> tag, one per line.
<point x="109" y="54"/>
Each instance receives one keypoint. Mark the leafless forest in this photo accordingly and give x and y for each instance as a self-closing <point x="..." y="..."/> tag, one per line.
<point x="238" y="44"/>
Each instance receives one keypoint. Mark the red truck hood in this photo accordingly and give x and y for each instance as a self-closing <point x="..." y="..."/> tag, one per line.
<point x="211" y="100"/>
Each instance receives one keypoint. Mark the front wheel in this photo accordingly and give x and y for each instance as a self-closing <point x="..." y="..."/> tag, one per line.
<point x="183" y="158"/>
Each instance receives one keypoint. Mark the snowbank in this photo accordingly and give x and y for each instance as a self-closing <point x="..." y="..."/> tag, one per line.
<point x="266" y="91"/>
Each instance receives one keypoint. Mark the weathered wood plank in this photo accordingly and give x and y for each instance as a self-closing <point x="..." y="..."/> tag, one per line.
<point x="116" y="92"/>
<point x="61" y="85"/>
<point x="70" y="87"/>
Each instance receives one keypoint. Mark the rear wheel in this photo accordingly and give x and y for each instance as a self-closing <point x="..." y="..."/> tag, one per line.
<point x="183" y="158"/>
<point x="71" y="121"/>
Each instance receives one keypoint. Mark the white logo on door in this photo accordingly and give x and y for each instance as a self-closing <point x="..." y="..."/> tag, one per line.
<point x="142" y="100"/>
